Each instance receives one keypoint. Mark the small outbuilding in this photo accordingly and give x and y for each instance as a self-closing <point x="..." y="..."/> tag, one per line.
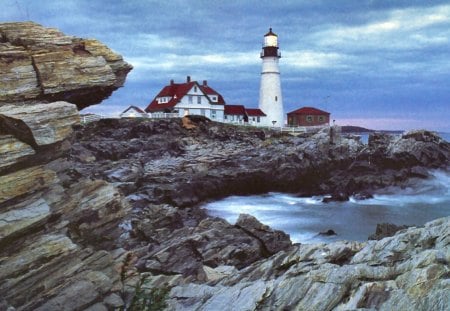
<point x="256" y="116"/>
<point x="308" y="116"/>
<point x="133" y="112"/>
<point x="235" y="114"/>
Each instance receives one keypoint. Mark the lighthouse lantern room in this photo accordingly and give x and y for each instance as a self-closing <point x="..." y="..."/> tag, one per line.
<point x="270" y="99"/>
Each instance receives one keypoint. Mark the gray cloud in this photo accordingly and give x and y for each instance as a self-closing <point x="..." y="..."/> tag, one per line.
<point x="361" y="60"/>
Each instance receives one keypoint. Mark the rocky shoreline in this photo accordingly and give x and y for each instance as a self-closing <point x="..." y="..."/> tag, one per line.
<point x="105" y="216"/>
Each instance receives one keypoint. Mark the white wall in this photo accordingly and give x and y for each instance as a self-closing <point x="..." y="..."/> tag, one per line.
<point x="195" y="108"/>
<point x="270" y="97"/>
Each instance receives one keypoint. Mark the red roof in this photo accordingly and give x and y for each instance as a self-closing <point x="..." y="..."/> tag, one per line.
<point x="177" y="91"/>
<point x="309" y="111"/>
<point x="209" y="91"/>
<point x="255" y="112"/>
<point x="234" y="110"/>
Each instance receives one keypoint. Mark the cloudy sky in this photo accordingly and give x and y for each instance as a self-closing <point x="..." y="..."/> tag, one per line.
<point x="381" y="64"/>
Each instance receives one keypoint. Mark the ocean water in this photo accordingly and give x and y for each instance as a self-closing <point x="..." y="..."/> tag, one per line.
<point x="304" y="218"/>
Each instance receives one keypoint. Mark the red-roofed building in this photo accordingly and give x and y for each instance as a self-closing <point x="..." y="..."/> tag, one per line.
<point x="235" y="114"/>
<point x="189" y="98"/>
<point x="256" y="116"/>
<point x="308" y="116"/>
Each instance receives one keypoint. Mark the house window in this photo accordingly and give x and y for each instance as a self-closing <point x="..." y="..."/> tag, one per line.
<point x="195" y="89"/>
<point x="202" y="112"/>
<point x="321" y="118"/>
<point x="225" y="117"/>
<point x="214" y="98"/>
<point x="190" y="99"/>
<point x="257" y="119"/>
<point x="199" y="100"/>
<point x="309" y="119"/>
<point x="213" y="114"/>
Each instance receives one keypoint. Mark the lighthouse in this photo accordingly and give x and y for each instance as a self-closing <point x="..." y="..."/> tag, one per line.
<point x="270" y="99"/>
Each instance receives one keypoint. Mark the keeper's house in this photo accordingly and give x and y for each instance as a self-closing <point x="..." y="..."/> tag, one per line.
<point x="189" y="98"/>
<point x="308" y="116"/>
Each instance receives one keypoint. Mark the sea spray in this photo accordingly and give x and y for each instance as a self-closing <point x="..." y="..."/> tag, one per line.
<point x="304" y="218"/>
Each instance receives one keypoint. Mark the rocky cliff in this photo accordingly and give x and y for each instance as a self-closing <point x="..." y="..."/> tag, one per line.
<point x="105" y="216"/>
<point x="58" y="248"/>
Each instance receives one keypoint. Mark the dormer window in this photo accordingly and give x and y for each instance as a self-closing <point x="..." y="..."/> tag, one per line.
<point x="214" y="98"/>
<point x="163" y="100"/>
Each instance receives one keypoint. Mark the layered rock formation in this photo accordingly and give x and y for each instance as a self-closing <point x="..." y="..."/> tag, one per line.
<point x="43" y="64"/>
<point x="406" y="272"/>
<point x="58" y="242"/>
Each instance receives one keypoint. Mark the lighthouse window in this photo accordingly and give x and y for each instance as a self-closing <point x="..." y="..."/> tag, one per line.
<point x="276" y="98"/>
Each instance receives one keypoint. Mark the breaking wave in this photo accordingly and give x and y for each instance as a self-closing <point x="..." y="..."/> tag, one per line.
<point x="304" y="218"/>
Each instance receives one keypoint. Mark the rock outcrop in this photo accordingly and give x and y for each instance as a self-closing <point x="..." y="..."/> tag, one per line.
<point x="58" y="242"/>
<point x="165" y="169"/>
<point x="163" y="162"/>
<point x="408" y="271"/>
<point x="43" y="64"/>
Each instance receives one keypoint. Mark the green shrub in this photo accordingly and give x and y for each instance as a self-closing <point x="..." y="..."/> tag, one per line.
<point x="149" y="300"/>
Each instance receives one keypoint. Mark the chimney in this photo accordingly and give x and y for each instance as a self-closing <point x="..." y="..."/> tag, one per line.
<point x="205" y="83"/>
<point x="188" y="79"/>
<point x="171" y="82"/>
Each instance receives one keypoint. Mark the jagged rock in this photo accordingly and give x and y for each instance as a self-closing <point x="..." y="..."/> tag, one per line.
<point x="21" y="219"/>
<point x="419" y="148"/>
<point x="46" y="65"/>
<point x="93" y="212"/>
<point x="405" y="272"/>
<point x="273" y="241"/>
<point x="26" y="122"/>
<point x="25" y="181"/>
<point x="385" y="230"/>
<point x="18" y="76"/>
<point x="329" y="232"/>
<point x="13" y="150"/>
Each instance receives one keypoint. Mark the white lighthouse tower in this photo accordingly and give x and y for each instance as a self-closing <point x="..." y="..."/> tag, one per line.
<point x="270" y="99"/>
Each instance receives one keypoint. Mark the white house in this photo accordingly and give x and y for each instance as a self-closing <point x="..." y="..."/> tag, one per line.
<point x="256" y="116"/>
<point x="133" y="112"/>
<point x="189" y="98"/>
